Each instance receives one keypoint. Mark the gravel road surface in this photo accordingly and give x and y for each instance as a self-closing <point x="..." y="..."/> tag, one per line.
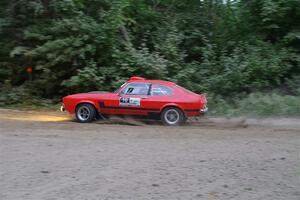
<point x="48" y="156"/>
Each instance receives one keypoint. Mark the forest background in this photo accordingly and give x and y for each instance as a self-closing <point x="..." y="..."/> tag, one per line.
<point x="245" y="54"/>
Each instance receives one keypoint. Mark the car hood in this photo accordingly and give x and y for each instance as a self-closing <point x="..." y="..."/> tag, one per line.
<point x="90" y="95"/>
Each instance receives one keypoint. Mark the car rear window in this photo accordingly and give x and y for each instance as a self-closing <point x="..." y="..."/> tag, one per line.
<point x="160" y="90"/>
<point x="184" y="89"/>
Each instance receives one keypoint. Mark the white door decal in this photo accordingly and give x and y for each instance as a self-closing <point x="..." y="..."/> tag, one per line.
<point x="124" y="101"/>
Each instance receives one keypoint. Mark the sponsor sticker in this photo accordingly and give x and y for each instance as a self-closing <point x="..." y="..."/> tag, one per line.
<point x="124" y="101"/>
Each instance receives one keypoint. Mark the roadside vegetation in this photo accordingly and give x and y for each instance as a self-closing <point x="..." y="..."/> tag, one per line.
<point x="244" y="54"/>
<point x="257" y="105"/>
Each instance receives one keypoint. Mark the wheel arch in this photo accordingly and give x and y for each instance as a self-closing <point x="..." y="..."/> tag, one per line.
<point x="86" y="102"/>
<point x="173" y="106"/>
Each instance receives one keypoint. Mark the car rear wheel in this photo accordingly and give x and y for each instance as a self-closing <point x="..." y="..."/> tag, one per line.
<point x="172" y="116"/>
<point x="85" y="113"/>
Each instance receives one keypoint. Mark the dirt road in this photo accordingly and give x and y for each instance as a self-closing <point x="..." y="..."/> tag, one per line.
<point x="47" y="156"/>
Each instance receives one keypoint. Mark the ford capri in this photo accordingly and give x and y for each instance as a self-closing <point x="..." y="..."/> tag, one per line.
<point x="171" y="103"/>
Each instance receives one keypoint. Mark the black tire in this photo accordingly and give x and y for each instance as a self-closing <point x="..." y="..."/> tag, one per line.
<point x="85" y="113"/>
<point x="177" y="119"/>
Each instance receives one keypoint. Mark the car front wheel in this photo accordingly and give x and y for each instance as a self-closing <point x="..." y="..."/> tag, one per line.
<point x="85" y="113"/>
<point x="172" y="116"/>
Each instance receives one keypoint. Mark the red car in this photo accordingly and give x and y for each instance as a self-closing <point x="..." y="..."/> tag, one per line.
<point x="138" y="96"/>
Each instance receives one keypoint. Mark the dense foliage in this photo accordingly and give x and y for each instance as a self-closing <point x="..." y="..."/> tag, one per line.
<point x="228" y="48"/>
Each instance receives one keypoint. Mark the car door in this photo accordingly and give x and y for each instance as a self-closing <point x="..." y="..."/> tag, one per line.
<point x="159" y="96"/>
<point x="133" y="99"/>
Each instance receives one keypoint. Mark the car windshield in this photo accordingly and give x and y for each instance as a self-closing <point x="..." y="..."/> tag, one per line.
<point x="118" y="88"/>
<point x="184" y="89"/>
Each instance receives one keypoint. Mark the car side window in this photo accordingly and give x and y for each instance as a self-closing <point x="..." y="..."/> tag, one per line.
<point x="136" y="89"/>
<point x="160" y="90"/>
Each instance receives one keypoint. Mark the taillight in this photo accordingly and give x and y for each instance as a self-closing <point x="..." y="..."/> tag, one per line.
<point x="203" y="98"/>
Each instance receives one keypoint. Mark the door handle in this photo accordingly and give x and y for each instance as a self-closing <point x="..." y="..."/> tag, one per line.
<point x="144" y="98"/>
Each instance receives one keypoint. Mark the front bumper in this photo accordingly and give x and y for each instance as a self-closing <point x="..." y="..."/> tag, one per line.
<point x="62" y="108"/>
